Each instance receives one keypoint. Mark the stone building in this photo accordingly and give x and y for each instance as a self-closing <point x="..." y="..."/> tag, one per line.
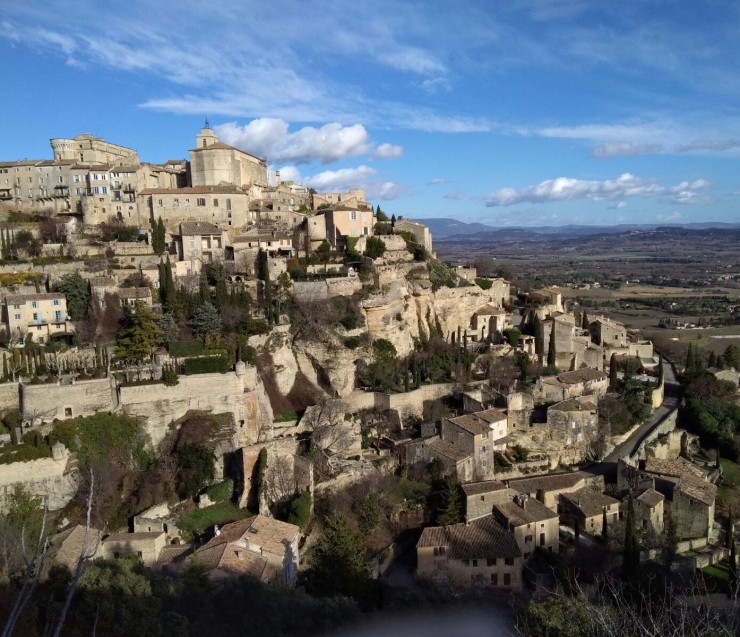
<point x="145" y="545"/>
<point x="213" y="163"/>
<point x="649" y="509"/>
<point x="573" y="422"/>
<point x="477" y="434"/>
<point x="225" y="205"/>
<point x="42" y="315"/>
<point x="477" y="554"/>
<point x="203" y="242"/>
<point x="586" y="507"/>
<point x="548" y="488"/>
<point x="343" y="222"/>
<point x="580" y="382"/>
<point x="531" y="522"/>
<point x="354" y="197"/>
<point x="608" y="333"/>
<point x="262" y="547"/>
<point x="481" y="496"/>
<point x="421" y="233"/>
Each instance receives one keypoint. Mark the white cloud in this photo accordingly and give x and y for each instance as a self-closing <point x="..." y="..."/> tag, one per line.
<point x="710" y="145"/>
<point x="388" y="151"/>
<point x="670" y="216"/>
<point x="345" y="178"/>
<point x="412" y="59"/>
<point x="455" y="196"/>
<point x="438" y="181"/>
<point x="617" y="206"/>
<point x="269" y="137"/>
<point x="436" y="85"/>
<point x="628" y="149"/>
<point x="569" y="189"/>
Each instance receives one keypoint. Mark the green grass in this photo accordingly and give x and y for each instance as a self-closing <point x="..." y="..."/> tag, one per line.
<point x="201" y="519"/>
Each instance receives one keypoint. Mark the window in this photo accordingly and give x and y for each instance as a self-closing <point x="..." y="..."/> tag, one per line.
<point x="68" y="414"/>
<point x="509" y="561"/>
<point x="175" y="203"/>
<point x="439" y="550"/>
<point x="542" y="539"/>
<point x="466" y="562"/>
<point x="528" y="538"/>
<point x="353" y="215"/>
<point x="475" y="563"/>
<point x="491" y="561"/>
<point x="58" y="316"/>
<point x="17" y="317"/>
<point x="484" y="435"/>
<point x="228" y="204"/>
<point x="187" y="203"/>
<point x="483" y="498"/>
<point x="201" y="201"/>
<point x="507" y="579"/>
<point x="494" y="579"/>
<point x="34" y="304"/>
<point x="16" y="306"/>
<point x="215" y="203"/>
<point x="140" y="554"/>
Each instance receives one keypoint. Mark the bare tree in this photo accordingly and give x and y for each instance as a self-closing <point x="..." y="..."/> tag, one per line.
<point x="331" y="435"/>
<point x="280" y="479"/>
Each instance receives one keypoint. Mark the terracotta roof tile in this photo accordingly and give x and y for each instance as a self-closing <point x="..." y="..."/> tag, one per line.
<point x="481" y="539"/>
<point x="589" y="501"/>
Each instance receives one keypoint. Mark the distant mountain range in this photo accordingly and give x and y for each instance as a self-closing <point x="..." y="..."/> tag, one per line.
<point x="442" y="228"/>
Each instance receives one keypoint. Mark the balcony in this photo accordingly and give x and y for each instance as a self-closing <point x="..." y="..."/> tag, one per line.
<point x="129" y="187"/>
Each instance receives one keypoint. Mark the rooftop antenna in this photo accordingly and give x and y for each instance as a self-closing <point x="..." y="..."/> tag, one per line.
<point x="206" y="125"/>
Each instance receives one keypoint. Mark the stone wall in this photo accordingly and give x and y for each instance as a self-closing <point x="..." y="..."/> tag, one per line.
<point x="45" y="477"/>
<point x="320" y="290"/>
<point x="667" y="425"/>
<point x="9" y="396"/>
<point x="406" y="404"/>
<point x="44" y="403"/>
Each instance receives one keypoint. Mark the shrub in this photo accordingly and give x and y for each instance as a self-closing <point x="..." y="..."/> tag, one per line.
<point x="300" y="510"/>
<point x="484" y="284"/>
<point x="374" y="248"/>
<point x="520" y="453"/>
<point x="169" y="376"/>
<point x="221" y="491"/>
<point x="289" y="416"/>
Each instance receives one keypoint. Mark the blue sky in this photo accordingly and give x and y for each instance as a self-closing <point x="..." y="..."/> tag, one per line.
<point x="516" y="113"/>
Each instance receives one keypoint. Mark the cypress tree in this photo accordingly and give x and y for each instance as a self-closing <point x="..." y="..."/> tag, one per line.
<point x="631" y="552"/>
<point x="204" y="290"/>
<point x="551" y="351"/>
<point x="450" y="511"/>
<point x="613" y="378"/>
<point x="584" y="320"/>
<point x="712" y="362"/>
<point x="5" y="366"/>
<point x="539" y="339"/>
<point x="3" y="244"/>
<point x="159" y="237"/>
<point x="690" y="358"/>
<point x="729" y="530"/>
<point x="604" y="526"/>
<point x="732" y="570"/>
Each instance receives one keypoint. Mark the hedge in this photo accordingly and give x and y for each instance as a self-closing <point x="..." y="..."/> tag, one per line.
<point x="182" y="349"/>
<point x="207" y="365"/>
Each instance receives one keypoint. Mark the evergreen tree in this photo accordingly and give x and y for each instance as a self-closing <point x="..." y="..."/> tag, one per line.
<point x="170" y="328"/>
<point x="661" y="373"/>
<point x="690" y="364"/>
<point x="393" y="221"/>
<point x="604" y="526"/>
<point x="732" y="570"/>
<point x="267" y="290"/>
<point x="631" y="552"/>
<point x="140" y="335"/>
<point x="551" y="351"/>
<point x="729" y="529"/>
<point x="450" y="511"/>
<point x="204" y="290"/>
<point x="613" y="378"/>
<point x="75" y="289"/>
<point x="338" y="563"/>
<point x="712" y="362"/>
<point x="3" y="245"/>
<point x="206" y="321"/>
<point x="584" y="320"/>
<point x="159" y="237"/>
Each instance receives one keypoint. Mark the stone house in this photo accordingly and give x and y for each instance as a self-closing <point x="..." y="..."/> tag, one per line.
<point x="262" y="547"/>
<point x="223" y="205"/>
<point x="353" y="197"/>
<point x="159" y="519"/>
<point x="70" y="544"/>
<point x="548" y="488"/>
<point x="421" y="233"/>
<point x="580" y="382"/>
<point x="145" y="545"/>
<point x="488" y="321"/>
<point x="203" y="242"/>
<point x="42" y="315"/>
<point x="129" y="297"/>
<point x="477" y="434"/>
<point x="531" y="522"/>
<point x="649" y="507"/>
<point x="481" y="496"/>
<point x="454" y="458"/>
<point x="693" y="507"/>
<point x="586" y="508"/>
<point x="573" y="422"/>
<point x="547" y="301"/>
<point x="344" y="221"/>
<point x="608" y="333"/>
<point x="481" y="553"/>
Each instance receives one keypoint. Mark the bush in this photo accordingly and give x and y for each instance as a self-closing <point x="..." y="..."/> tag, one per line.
<point x="300" y="510"/>
<point x="484" y="284"/>
<point x="289" y="416"/>
<point x="221" y="491"/>
<point x="512" y="335"/>
<point x="169" y="376"/>
<point x="374" y="248"/>
<point x="353" y="342"/>
<point x="520" y="453"/>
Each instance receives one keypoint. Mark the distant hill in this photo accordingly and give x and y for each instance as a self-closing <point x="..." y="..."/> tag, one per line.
<point x="443" y="228"/>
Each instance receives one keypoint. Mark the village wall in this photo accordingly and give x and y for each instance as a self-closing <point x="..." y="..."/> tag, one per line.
<point x="44" y="403"/>
<point x="44" y="477"/>
<point x="667" y="425"/>
<point x="657" y="395"/>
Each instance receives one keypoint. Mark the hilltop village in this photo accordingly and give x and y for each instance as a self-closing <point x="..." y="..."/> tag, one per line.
<point x="245" y="368"/>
